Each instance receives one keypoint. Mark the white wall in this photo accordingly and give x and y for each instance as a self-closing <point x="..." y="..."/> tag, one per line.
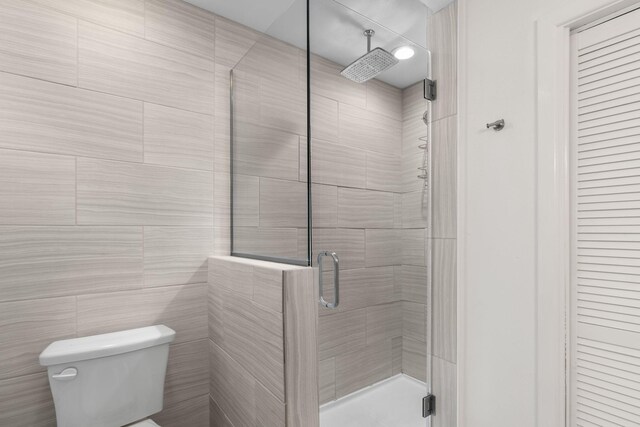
<point x="497" y="213"/>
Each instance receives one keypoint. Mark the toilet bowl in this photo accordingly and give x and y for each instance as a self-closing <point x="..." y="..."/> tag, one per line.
<point x="109" y="380"/>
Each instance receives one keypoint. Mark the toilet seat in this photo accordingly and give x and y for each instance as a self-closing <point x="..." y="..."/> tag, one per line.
<point x="144" y="423"/>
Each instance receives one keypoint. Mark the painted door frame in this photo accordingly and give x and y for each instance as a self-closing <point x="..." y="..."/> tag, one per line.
<point x="554" y="222"/>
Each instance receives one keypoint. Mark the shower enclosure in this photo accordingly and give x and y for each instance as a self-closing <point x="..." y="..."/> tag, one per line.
<point x="342" y="176"/>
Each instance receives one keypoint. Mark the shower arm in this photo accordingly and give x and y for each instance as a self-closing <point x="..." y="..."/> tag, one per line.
<point x="369" y="34"/>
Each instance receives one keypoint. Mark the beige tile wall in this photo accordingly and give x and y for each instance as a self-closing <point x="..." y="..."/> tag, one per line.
<point x="108" y="127"/>
<point x="114" y="185"/>
<point x="263" y="348"/>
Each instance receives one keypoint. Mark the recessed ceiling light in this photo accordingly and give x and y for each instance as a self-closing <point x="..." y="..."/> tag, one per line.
<point x="403" y="52"/>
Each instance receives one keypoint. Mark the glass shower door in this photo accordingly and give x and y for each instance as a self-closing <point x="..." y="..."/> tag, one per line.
<point x="369" y="164"/>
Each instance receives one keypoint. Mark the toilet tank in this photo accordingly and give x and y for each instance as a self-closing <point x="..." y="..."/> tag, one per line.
<point x="108" y="380"/>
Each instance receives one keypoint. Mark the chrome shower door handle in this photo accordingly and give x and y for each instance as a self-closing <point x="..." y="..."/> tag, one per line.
<point x="336" y="279"/>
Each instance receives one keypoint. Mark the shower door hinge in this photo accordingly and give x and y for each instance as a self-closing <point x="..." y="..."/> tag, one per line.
<point x="430" y="90"/>
<point x="428" y="405"/>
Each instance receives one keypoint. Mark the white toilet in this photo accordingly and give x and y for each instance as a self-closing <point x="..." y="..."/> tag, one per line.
<point x="109" y="380"/>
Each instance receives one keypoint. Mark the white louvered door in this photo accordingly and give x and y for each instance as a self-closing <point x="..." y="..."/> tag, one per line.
<point x="605" y="330"/>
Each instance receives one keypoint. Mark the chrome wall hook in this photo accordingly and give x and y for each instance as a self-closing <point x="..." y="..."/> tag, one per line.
<point x="497" y="125"/>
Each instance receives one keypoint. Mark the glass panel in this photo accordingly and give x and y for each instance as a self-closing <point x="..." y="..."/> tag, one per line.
<point x="369" y="146"/>
<point x="270" y="215"/>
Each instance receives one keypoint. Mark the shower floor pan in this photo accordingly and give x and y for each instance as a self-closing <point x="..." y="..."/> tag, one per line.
<point x="394" y="402"/>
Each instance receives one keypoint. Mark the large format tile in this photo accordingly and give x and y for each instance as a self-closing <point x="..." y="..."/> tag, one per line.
<point x="235" y="276"/>
<point x="333" y="164"/>
<point x="361" y="288"/>
<point x="301" y="348"/>
<point x="40" y="262"/>
<point x="27" y="327"/>
<point x="324" y="199"/>
<point x="396" y="355"/>
<point x="365" y="208"/>
<point x="187" y="374"/>
<point x="222" y="120"/>
<point x="415" y="209"/>
<point x="326" y="81"/>
<point x="217" y="418"/>
<point x="324" y="118"/>
<point x="270" y="411"/>
<point x="444" y="299"/>
<point x="267" y="287"/>
<point x="222" y="200"/>
<point x="120" y="64"/>
<point x="176" y="255"/>
<point x="384" y="322"/>
<point x="38" y="42"/>
<point x="192" y="412"/>
<point x="444" y="178"/>
<point x="282" y="105"/>
<point x="414" y="247"/>
<point x="246" y="201"/>
<point x="413" y="281"/>
<point x="181" y="25"/>
<point x="283" y="203"/>
<point x="383" y="247"/>
<point x="232" y="387"/>
<point x="347" y="243"/>
<point x="175" y="137"/>
<point x="245" y="86"/>
<point x="37" y="189"/>
<point x="384" y="99"/>
<point x="360" y="128"/>
<point x="443" y="31"/>
<point x="265" y="152"/>
<point x="221" y="240"/>
<point x="48" y="117"/>
<point x="341" y="332"/>
<point x="445" y="387"/>
<point x="123" y="15"/>
<point x="414" y="321"/>
<point x="253" y="336"/>
<point x="272" y="242"/>
<point x="239" y="396"/>
<point x="273" y="60"/>
<point x="232" y="41"/>
<point x="130" y="193"/>
<point x="359" y="369"/>
<point x="327" y="380"/>
<point x="414" y="358"/>
<point x="384" y="172"/>
<point x="26" y="402"/>
<point x="255" y="280"/>
<point x="182" y="308"/>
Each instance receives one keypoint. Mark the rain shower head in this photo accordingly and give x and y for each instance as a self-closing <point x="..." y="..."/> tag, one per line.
<point x="370" y="64"/>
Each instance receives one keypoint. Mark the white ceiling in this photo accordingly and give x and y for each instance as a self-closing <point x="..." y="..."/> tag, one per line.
<point x="336" y="27"/>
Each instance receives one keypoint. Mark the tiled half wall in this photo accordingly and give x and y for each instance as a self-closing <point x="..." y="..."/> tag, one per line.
<point x="262" y="344"/>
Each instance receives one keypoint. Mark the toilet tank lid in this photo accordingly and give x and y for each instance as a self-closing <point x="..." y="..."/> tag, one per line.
<point x="96" y="346"/>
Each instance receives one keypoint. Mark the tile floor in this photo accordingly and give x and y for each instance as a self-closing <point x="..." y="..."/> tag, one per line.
<point x="395" y="402"/>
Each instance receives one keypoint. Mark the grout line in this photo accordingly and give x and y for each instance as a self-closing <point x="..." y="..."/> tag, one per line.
<point x="85" y="89"/>
<point x="77" y="52"/>
<point x="76" y="189"/>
